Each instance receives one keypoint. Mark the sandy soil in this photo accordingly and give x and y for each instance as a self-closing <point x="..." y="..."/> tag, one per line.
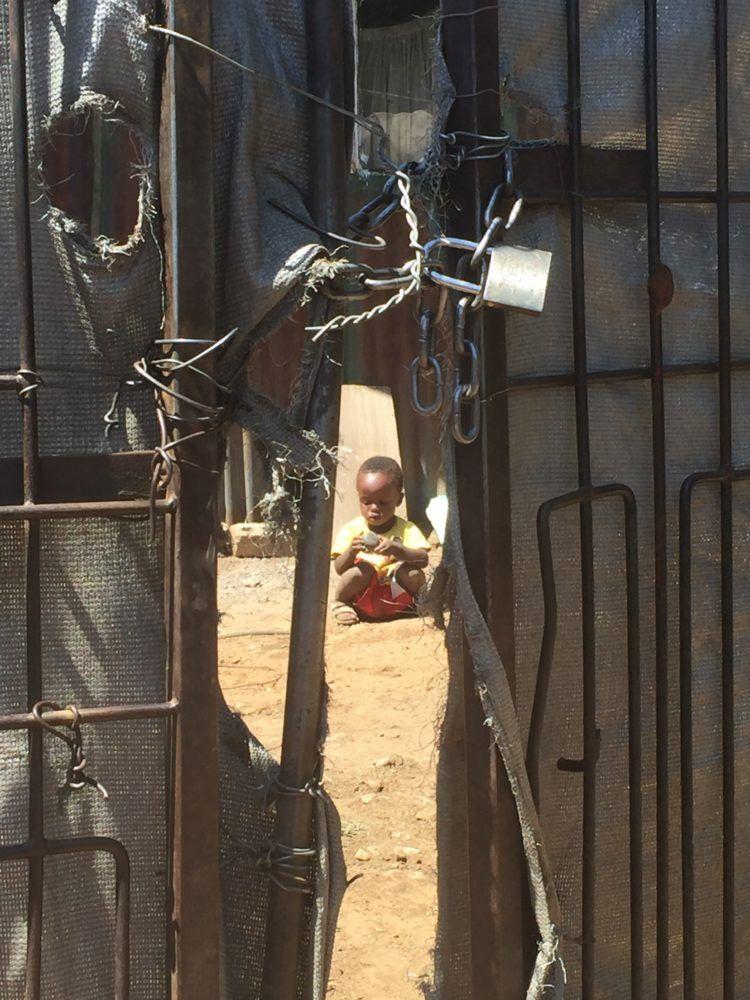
<point x="387" y="686"/>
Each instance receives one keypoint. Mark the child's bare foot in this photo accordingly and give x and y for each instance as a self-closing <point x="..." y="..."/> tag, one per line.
<point x="344" y="614"/>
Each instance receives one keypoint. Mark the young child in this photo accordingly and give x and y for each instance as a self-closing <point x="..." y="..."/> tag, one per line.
<point x="379" y="557"/>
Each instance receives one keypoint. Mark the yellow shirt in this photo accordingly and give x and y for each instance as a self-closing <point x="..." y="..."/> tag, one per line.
<point x="401" y="529"/>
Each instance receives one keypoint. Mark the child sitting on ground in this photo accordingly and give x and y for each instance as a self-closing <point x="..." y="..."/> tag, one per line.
<point x="379" y="557"/>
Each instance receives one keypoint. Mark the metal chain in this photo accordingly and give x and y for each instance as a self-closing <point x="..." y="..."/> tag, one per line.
<point x="425" y="364"/>
<point x="466" y="390"/>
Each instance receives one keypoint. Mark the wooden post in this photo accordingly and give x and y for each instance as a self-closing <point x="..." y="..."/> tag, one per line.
<point x="496" y="866"/>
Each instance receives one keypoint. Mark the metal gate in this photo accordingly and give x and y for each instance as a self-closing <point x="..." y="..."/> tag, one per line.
<point x="87" y="492"/>
<point x="617" y="595"/>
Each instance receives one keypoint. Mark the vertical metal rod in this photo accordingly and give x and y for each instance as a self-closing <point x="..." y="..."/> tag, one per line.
<point x="546" y="565"/>
<point x="660" y="511"/>
<point x="24" y="270"/>
<point x="122" y="925"/>
<point x="247" y="473"/>
<point x="634" y="747"/>
<point x="305" y="680"/>
<point x="725" y="459"/>
<point x="187" y="185"/>
<point x="686" y="743"/>
<point x="170" y="731"/>
<point x="588" y="971"/>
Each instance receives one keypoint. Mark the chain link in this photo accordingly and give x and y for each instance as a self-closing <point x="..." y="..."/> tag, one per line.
<point x="425" y="364"/>
<point x="466" y="391"/>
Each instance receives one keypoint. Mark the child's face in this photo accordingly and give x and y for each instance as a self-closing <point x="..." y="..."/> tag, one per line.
<point x="379" y="497"/>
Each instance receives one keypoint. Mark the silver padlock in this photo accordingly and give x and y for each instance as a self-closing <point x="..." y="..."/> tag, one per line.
<point x="517" y="278"/>
<point x="512" y="277"/>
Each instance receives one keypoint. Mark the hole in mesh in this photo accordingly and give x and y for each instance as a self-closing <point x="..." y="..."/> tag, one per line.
<point x="90" y="172"/>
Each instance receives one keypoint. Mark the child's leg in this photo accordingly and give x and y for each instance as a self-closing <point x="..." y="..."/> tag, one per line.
<point x="353" y="583"/>
<point x="411" y="578"/>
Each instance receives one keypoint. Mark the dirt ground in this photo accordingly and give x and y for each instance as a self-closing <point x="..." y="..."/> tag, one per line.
<point x="387" y="687"/>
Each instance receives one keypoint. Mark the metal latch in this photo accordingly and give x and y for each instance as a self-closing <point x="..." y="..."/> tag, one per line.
<point x="512" y="277"/>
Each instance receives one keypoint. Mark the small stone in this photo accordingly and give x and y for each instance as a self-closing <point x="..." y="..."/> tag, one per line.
<point x="375" y="784"/>
<point x="367" y="799"/>
<point x="363" y="854"/>
<point x="401" y="855"/>
<point x="411" y="850"/>
<point x="392" y="760"/>
<point x="250" y="540"/>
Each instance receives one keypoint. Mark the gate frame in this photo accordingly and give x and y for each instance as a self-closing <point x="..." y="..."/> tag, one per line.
<point x="37" y="488"/>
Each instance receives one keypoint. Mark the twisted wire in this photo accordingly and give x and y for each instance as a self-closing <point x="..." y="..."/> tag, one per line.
<point x="413" y="267"/>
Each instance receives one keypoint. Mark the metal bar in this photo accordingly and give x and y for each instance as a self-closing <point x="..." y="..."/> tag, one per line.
<point x="660" y="509"/>
<point x="502" y="946"/>
<point x="35" y="850"/>
<point x="234" y="478"/>
<point x="35" y="512"/>
<point x="75" y="478"/>
<point x="588" y="966"/>
<point x="724" y="476"/>
<point x="687" y="825"/>
<point x="30" y="453"/>
<point x="725" y="460"/>
<point x="616" y="175"/>
<point x="556" y="380"/>
<point x="581" y="496"/>
<point x="107" y="713"/>
<point x="187" y="186"/>
<point x="300" y="759"/>
<point x="248" y="473"/>
<point x="614" y="195"/>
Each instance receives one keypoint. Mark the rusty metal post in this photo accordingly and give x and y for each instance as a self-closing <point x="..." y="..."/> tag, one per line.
<point x="24" y="270"/>
<point x="188" y="206"/>
<point x="302" y="717"/>
<point x="500" y="943"/>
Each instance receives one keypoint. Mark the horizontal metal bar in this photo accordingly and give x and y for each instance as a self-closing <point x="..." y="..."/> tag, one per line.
<point x="69" y="845"/>
<point x="727" y="475"/>
<point x="611" y="175"/>
<point x="10" y="381"/>
<point x="557" y="379"/>
<point x="552" y="197"/>
<point x="100" y="508"/>
<point x="123" y="475"/>
<point x="107" y="713"/>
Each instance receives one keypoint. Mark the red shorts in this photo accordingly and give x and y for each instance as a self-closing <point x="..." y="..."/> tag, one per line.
<point x="383" y="598"/>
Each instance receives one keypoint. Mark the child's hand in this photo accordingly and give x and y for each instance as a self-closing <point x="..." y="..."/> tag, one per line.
<point x="390" y="547"/>
<point x="357" y="545"/>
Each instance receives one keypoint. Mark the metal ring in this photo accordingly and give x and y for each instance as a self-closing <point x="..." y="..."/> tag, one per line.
<point x="515" y="211"/>
<point x="471" y="388"/>
<point x="428" y="409"/>
<point x="489" y="211"/>
<point x="426" y="337"/>
<point x="487" y="240"/>
<point x="459" y="325"/>
<point x="465" y="436"/>
<point x="446" y="280"/>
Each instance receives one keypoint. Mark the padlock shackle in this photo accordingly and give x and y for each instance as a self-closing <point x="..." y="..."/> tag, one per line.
<point x="452" y="242"/>
<point x="448" y="281"/>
